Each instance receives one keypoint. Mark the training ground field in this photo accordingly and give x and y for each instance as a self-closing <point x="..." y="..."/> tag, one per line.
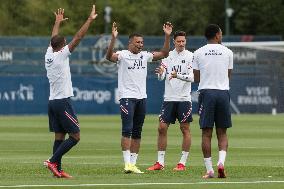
<point x="255" y="158"/>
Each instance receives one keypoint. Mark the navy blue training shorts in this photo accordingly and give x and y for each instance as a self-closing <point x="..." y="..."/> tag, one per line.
<point x="132" y="115"/>
<point x="62" y="118"/>
<point x="214" y="108"/>
<point x="172" y="110"/>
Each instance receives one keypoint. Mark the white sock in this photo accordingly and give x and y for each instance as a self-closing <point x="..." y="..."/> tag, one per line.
<point x="208" y="164"/>
<point x="133" y="158"/>
<point x="183" y="158"/>
<point x="161" y="157"/>
<point x="222" y="157"/>
<point x="126" y="156"/>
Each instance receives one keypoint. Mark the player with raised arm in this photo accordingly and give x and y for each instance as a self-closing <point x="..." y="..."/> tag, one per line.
<point x="132" y="73"/>
<point x="212" y="66"/>
<point x="62" y="118"/>
<point x="177" y="71"/>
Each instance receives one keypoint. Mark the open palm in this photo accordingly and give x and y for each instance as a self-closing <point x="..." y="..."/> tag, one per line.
<point x="114" y="30"/>
<point x="59" y="15"/>
<point x="168" y="28"/>
<point x="93" y="14"/>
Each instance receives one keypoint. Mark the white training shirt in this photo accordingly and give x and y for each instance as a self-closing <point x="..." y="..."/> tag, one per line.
<point x="132" y="73"/>
<point x="177" y="89"/>
<point x="213" y="61"/>
<point x="58" y="73"/>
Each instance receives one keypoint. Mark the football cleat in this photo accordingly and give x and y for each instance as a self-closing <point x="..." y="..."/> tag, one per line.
<point x="52" y="167"/>
<point x="156" y="166"/>
<point x="135" y="169"/>
<point x="221" y="171"/>
<point x="180" y="167"/>
<point x="64" y="174"/>
<point x="127" y="168"/>
<point x="208" y="175"/>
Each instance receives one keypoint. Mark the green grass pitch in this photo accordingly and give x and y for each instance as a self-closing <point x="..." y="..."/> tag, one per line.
<point x="255" y="156"/>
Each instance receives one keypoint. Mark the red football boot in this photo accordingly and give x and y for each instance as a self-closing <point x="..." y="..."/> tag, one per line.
<point x="52" y="167"/>
<point x="180" y="167"/>
<point x="221" y="171"/>
<point x="156" y="166"/>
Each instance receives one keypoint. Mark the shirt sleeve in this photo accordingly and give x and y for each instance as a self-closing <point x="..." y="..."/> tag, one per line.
<point x="189" y="73"/>
<point x="119" y="57"/>
<point x="163" y="64"/>
<point x="195" y="63"/>
<point x="66" y="51"/>
<point x="150" y="57"/>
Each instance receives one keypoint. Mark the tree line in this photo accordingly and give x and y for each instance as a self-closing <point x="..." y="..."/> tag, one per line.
<point x="36" y="18"/>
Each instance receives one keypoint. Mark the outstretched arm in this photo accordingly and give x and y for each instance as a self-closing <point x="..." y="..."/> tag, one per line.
<point x="189" y="77"/>
<point x="83" y="30"/>
<point x="59" y="17"/>
<point x="166" y="48"/>
<point x="110" y="55"/>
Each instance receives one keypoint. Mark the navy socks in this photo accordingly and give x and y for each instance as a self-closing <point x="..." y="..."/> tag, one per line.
<point x="62" y="149"/>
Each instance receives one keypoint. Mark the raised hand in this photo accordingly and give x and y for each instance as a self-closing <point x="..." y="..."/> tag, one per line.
<point x="93" y="14"/>
<point x="159" y="70"/>
<point x="174" y="74"/>
<point x="114" y="30"/>
<point x="59" y="15"/>
<point x="168" y="28"/>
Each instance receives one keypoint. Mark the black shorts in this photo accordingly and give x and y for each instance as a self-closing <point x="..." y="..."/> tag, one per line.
<point x="214" y="108"/>
<point x="172" y="110"/>
<point x="62" y="118"/>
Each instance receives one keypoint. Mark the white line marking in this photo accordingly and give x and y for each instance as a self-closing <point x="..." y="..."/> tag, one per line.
<point x="144" y="184"/>
<point x="233" y="105"/>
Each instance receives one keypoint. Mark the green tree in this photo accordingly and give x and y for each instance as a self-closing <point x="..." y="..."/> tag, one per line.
<point x="258" y="17"/>
<point x="35" y="17"/>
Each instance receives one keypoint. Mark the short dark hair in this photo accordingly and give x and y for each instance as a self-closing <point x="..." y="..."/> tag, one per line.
<point x="179" y="33"/>
<point x="57" y="41"/>
<point x="211" y="31"/>
<point x="134" y="35"/>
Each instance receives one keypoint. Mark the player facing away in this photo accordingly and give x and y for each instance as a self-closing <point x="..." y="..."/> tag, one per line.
<point x="132" y="73"/>
<point x="212" y="66"/>
<point x="62" y="118"/>
<point x="177" y="71"/>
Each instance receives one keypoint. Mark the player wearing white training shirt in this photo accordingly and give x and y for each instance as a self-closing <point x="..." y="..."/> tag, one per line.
<point x="177" y="71"/>
<point x="132" y="73"/>
<point x="212" y="66"/>
<point x="62" y="118"/>
<point x="214" y="60"/>
<point x="58" y="73"/>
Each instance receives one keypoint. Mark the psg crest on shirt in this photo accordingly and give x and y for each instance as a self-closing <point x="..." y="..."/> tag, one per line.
<point x="102" y="65"/>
